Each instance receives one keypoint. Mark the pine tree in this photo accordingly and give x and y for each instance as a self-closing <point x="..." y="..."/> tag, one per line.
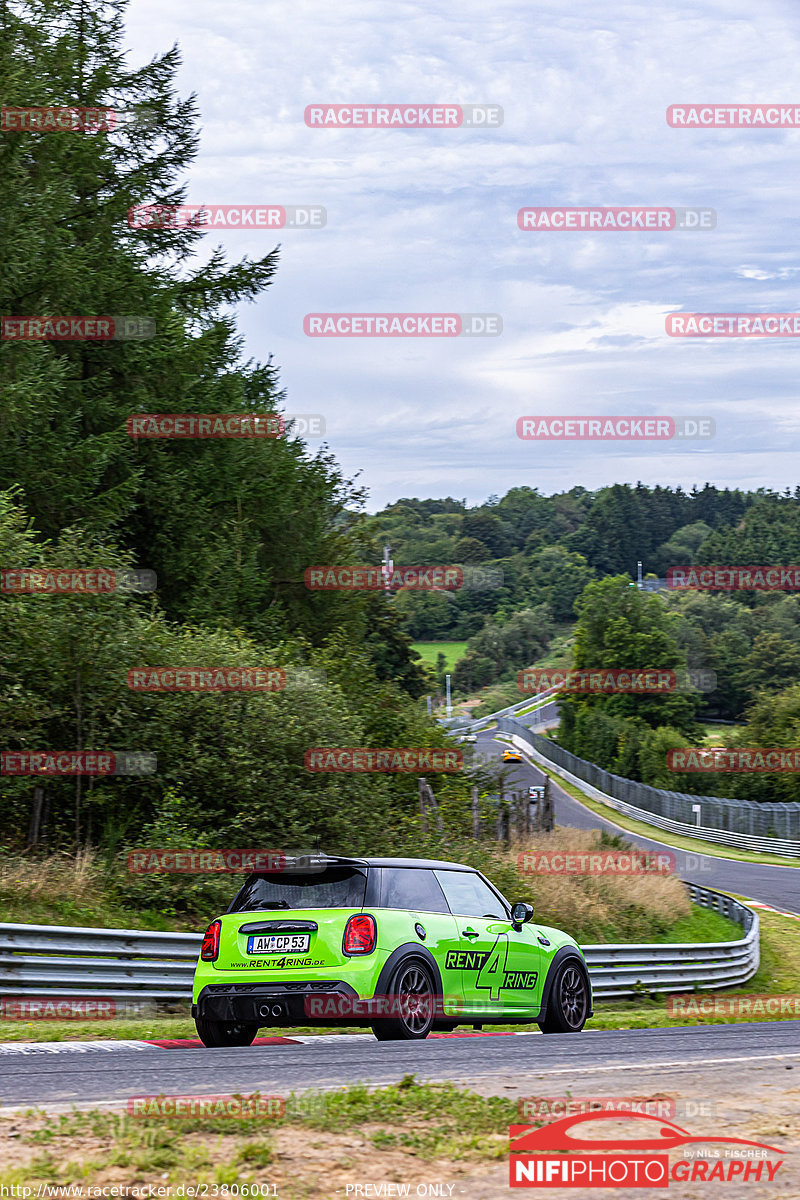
<point x="228" y="526"/>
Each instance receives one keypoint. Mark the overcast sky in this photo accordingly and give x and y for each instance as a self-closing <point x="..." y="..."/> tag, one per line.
<point x="425" y="221"/>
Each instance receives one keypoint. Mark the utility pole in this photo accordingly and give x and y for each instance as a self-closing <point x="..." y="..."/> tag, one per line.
<point x="386" y="569"/>
<point x="449" y="705"/>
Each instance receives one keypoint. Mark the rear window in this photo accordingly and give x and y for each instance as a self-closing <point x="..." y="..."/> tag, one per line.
<point x="336" y="887"/>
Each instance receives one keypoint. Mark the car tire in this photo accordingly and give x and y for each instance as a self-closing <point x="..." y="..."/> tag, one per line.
<point x="225" y="1033"/>
<point x="568" y="1002"/>
<point x="412" y="978"/>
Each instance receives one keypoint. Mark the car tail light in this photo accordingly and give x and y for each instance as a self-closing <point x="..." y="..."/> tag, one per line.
<point x="210" y="950"/>
<point x="360" y="934"/>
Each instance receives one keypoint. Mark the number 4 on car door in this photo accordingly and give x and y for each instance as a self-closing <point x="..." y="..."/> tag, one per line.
<point x="492" y="974"/>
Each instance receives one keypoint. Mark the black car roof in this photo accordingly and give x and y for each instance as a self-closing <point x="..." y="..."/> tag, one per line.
<point x="429" y="863"/>
<point x="400" y="863"/>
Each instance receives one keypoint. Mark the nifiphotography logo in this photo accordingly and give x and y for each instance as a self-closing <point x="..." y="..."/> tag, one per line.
<point x="562" y="1154"/>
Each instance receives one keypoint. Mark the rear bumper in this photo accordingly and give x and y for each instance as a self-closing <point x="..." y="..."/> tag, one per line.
<point x="321" y="1003"/>
<point x="280" y="1003"/>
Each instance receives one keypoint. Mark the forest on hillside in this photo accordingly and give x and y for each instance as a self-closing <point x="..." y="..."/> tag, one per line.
<point x="228" y="527"/>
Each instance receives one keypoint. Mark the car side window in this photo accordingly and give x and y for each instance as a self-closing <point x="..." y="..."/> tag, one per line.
<point x="413" y="888"/>
<point x="469" y="896"/>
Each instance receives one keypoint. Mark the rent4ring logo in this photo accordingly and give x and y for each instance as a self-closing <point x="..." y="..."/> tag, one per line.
<point x="562" y="1154"/>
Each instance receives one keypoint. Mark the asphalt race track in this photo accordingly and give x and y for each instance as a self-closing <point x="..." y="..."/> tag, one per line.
<point x="65" y="1075"/>
<point x="778" y="886"/>
<point x="62" y="1074"/>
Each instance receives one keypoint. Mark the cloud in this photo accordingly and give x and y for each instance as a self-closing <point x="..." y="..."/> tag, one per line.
<point x="425" y="221"/>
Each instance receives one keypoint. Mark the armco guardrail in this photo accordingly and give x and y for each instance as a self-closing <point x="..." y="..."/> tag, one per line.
<point x="625" y="970"/>
<point x="118" y="963"/>
<point x="743" y="823"/>
<point x="46" y="960"/>
<point x="547" y="711"/>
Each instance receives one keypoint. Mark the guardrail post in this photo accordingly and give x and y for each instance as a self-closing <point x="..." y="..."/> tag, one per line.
<point x="513" y="818"/>
<point x="36" y="818"/>
<point x="502" y="818"/>
<point x="427" y="800"/>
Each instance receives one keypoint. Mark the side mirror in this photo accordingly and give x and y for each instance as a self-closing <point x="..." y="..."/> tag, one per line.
<point x="521" y="913"/>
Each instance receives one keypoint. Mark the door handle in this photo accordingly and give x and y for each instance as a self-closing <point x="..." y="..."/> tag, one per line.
<point x="469" y="933"/>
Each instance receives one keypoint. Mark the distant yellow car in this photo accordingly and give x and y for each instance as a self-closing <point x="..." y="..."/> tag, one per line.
<point x="510" y="755"/>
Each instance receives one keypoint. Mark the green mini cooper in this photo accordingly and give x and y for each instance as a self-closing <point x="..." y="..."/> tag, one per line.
<point x="401" y="945"/>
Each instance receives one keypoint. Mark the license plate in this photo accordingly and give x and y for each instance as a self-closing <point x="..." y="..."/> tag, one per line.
<point x="278" y="943"/>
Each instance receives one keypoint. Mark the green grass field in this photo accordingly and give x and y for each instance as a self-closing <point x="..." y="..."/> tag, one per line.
<point x="452" y="651"/>
<point x="715" y="734"/>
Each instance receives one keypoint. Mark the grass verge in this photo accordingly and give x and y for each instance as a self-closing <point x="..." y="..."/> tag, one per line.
<point x="322" y="1142"/>
<point x="60" y="889"/>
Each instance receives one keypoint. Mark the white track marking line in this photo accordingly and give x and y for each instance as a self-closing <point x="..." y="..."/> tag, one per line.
<point x="686" y="1064"/>
<point x="67" y="1047"/>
